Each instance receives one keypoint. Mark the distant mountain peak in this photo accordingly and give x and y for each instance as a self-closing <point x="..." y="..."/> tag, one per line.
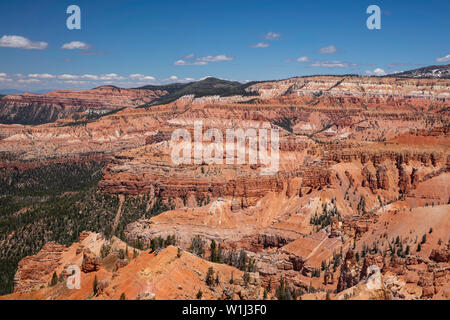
<point x="439" y="71"/>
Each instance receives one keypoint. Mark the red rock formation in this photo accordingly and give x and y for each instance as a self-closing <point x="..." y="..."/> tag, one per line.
<point x="36" y="271"/>
<point x="371" y="260"/>
<point x="369" y="179"/>
<point x="441" y="255"/>
<point x="339" y="143"/>
<point x="170" y="274"/>
<point x="404" y="180"/>
<point x="350" y="272"/>
<point x="91" y="262"/>
<point x="382" y="178"/>
<point x="31" y="108"/>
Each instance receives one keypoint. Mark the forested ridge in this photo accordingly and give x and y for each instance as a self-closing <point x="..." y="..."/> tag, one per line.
<point x="56" y="202"/>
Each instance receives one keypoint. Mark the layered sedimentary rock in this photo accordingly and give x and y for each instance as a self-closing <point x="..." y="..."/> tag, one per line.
<point x="36" y="271"/>
<point x="30" y="108"/>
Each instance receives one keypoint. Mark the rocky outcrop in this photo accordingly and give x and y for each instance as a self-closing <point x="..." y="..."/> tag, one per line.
<point x="91" y="262"/>
<point x="146" y="296"/>
<point x="371" y="261"/>
<point x="36" y="271"/>
<point x="350" y="273"/>
<point x="369" y="179"/>
<point x="382" y="178"/>
<point x="404" y="180"/>
<point x="441" y="255"/>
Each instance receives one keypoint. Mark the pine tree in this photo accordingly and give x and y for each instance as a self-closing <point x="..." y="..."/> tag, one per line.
<point x="246" y="278"/>
<point x="424" y="239"/>
<point x="220" y="254"/>
<point x="242" y="262"/>
<point x="213" y="251"/>
<point x="282" y="292"/>
<point x="217" y="281"/>
<point x="95" y="285"/>
<point x="197" y="246"/>
<point x="210" y="277"/>
<point x="54" y="280"/>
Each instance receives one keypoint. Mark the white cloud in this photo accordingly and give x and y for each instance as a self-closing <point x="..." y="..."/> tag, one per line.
<point x="182" y="62"/>
<point x="443" y="59"/>
<point x="328" y="50"/>
<point x="302" y="59"/>
<point x="28" y="81"/>
<point x="93" y="77"/>
<point x="136" y="76"/>
<point x="376" y="72"/>
<point x="33" y="81"/>
<point x="333" y="64"/>
<point x="142" y="77"/>
<point x="111" y="76"/>
<point x="272" y="36"/>
<point x="3" y="78"/>
<point x="41" y="76"/>
<point x="89" y="77"/>
<point x="76" y="82"/>
<point x="68" y="77"/>
<point x="218" y="58"/>
<point x="190" y="60"/>
<point x="76" y="45"/>
<point x="260" y="45"/>
<point x="21" y="43"/>
<point x="379" y="72"/>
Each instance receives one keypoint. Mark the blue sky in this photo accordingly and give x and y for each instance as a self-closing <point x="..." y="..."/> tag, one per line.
<point x="136" y="42"/>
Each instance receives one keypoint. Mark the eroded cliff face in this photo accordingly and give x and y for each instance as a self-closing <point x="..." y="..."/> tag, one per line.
<point x="363" y="168"/>
<point x="30" y="108"/>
